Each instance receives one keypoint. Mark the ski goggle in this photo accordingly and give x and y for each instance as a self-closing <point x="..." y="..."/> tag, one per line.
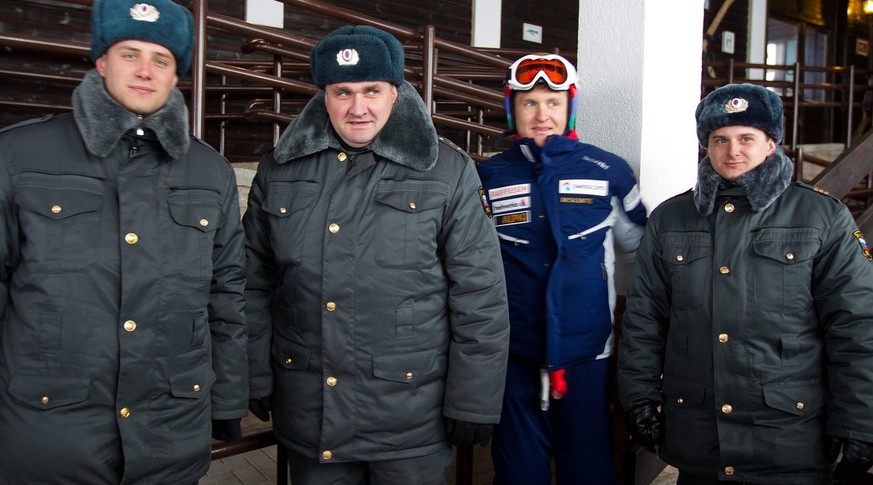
<point x="552" y="69"/>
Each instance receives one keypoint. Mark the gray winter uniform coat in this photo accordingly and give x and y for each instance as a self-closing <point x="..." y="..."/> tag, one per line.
<point x="755" y="301"/>
<point x="375" y="289"/>
<point x="122" y="330"/>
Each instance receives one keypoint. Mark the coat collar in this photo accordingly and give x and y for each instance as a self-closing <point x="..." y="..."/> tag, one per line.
<point x="408" y="138"/>
<point x="763" y="184"/>
<point x="102" y="121"/>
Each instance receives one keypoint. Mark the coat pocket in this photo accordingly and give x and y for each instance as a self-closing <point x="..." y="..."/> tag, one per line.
<point x="783" y="267"/>
<point x="286" y="203"/>
<point x="60" y="217"/>
<point x="686" y="256"/>
<point x="44" y="392"/>
<point x="799" y="399"/>
<point x="197" y="214"/>
<point x="408" y="220"/>
<point x="289" y="355"/>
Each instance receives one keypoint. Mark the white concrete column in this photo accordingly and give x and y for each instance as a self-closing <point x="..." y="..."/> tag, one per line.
<point x="757" y="50"/>
<point x="486" y="23"/>
<point x="639" y="64"/>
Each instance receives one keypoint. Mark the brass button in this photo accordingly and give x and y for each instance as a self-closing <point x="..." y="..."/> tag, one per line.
<point x="724" y="270"/>
<point x="409" y="375"/>
<point x="283" y="210"/>
<point x="680" y="400"/>
<point x="729" y="208"/>
<point x="130" y="325"/>
<point x="680" y="258"/>
<point x="727" y="408"/>
<point x="56" y="209"/>
<point x="289" y="361"/>
<point x="204" y="222"/>
<point x="412" y="205"/>
<point x="341" y="156"/>
<point x="333" y="228"/>
<point x="789" y="256"/>
<point x="124" y="413"/>
<point x="799" y="405"/>
<point x="331" y="306"/>
<point x="45" y="400"/>
<point x="728" y="470"/>
<point x="723" y="337"/>
<point x="196" y="388"/>
<point x="331" y="381"/>
<point x="131" y="238"/>
<point x="326" y="454"/>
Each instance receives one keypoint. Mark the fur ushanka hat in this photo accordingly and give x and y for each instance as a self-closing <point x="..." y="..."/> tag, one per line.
<point x="739" y="105"/>
<point x="161" y="22"/>
<point x="355" y="54"/>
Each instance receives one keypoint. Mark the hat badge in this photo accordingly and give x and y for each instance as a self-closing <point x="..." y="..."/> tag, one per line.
<point x="736" y="105"/>
<point x="144" y="13"/>
<point x="347" y="57"/>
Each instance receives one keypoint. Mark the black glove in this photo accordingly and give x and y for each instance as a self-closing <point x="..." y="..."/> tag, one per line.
<point x="465" y="433"/>
<point x="226" y="429"/>
<point x="857" y="459"/>
<point x="646" y="425"/>
<point x="261" y="407"/>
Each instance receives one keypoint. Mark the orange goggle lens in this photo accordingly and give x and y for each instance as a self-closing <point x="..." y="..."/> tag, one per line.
<point x="553" y="68"/>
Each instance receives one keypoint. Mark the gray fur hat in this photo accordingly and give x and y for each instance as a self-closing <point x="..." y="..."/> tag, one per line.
<point x="357" y="53"/>
<point x="161" y="22"/>
<point x="739" y="105"/>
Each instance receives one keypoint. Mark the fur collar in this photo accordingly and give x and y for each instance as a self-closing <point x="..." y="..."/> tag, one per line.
<point x="763" y="184"/>
<point x="408" y="138"/>
<point x="102" y="121"/>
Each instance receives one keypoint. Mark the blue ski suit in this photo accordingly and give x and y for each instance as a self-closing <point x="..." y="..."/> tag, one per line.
<point x="560" y="212"/>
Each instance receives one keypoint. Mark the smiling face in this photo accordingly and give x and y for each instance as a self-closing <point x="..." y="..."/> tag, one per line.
<point x="541" y="112"/>
<point x="138" y="75"/>
<point x="359" y="111"/>
<point x="734" y="150"/>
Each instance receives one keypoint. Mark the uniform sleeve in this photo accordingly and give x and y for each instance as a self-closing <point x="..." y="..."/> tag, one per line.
<point x="644" y="326"/>
<point x="261" y="280"/>
<point x="226" y="318"/>
<point x="8" y="238"/>
<point x="478" y="312"/>
<point x="843" y="293"/>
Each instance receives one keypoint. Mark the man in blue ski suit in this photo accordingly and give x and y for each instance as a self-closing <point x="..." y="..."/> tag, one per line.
<point x="560" y="207"/>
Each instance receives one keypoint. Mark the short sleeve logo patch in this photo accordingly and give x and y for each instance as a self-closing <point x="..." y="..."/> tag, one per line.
<point x="865" y="250"/>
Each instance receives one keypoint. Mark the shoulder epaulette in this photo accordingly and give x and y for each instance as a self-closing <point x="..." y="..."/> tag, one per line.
<point x="32" y="121"/>
<point x="451" y="144"/>
<point x="816" y="189"/>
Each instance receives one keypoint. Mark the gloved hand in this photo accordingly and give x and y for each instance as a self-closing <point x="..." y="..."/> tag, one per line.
<point x="557" y="384"/>
<point x="261" y="407"/>
<point x="226" y="429"/>
<point x="857" y="459"/>
<point x="646" y="425"/>
<point x="465" y="433"/>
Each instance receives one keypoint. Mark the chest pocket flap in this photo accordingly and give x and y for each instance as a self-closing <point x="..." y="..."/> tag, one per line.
<point x="286" y="198"/>
<point x="202" y="211"/>
<point x="786" y="245"/>
<point x="683" y="248"/>
<point x="56" y="200"/>
<point x="411" y="201"/>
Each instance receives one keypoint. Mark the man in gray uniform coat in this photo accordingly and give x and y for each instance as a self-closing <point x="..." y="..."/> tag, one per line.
<point x="375" y="290"/>
<point x="747" y="346"/>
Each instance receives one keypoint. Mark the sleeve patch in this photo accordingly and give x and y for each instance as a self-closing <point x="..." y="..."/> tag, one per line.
<point x="485" y="206"/>
<point x="864" y="249"/>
